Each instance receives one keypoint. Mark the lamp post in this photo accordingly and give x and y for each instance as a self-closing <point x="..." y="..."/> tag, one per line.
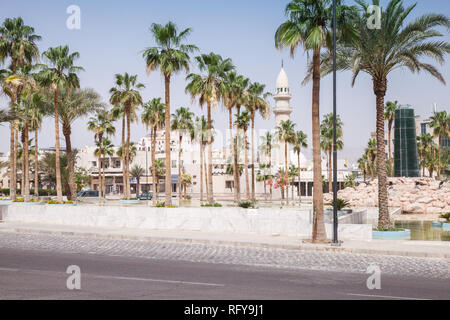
<point x="335" y="216"/>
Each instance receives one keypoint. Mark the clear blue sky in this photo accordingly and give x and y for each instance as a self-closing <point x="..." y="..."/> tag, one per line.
<point x="113" y="33"/>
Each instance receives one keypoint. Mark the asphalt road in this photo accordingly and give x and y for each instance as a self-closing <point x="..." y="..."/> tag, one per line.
<point x="36" y="274"/>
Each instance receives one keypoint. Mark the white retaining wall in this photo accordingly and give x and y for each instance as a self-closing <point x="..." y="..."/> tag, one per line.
<point x="283" y="222"/>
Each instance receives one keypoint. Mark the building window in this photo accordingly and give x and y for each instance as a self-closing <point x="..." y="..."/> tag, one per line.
<point x="229" y="184"/>
<point x="174" y="163"/>
<point x="94" y="163"/>
<point x="423" y="128"/>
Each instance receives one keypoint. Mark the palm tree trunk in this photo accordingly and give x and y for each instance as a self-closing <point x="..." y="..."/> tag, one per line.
<point x="318" y="232"/>
<point x="286" y="172"/>
<point x="16" y="142"/>
<point x="70" y="164"/>
<point x="384" y="219"/>
<point x="439" y="158"/>
<point x="270" y="172"/>
<point x="237" y="182"/>
<point x="138" y="187"/>
<point x="389" y="148"/>
<point x="299" y="191"/>
<point x="155" y="178"/>
<point x="124" y="185"/>
<point x="247" y="185"/>
<point x="168" y="200"/>
<point x="235" y="174"/>
<point x="206" y="174"/>
<point x="201" y="171"/>
<point x="210" y="164"/>
<point x="253" y="156"/>
<point x="36" y="165"/>
<point x="127" y="156"/>
<point x="57" y="151"/>
<point x="100" y="167"/>
<point x="25" y="167"/>
<point x="330" y="171"/>
<point x="179" y="168"/>
<point x="12" y="157"/>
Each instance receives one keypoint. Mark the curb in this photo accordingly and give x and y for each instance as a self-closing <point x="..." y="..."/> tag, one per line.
<point x="301" y="246"/>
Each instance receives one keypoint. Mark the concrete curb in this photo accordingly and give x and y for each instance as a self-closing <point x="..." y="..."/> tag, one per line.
<point x="300" y="246"/>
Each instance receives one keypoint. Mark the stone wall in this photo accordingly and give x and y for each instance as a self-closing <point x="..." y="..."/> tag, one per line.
<point x="411" y="195"/>
<point x="273" y="222"/>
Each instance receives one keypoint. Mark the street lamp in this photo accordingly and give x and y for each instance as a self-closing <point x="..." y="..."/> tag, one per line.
<point x="335" y="216"/>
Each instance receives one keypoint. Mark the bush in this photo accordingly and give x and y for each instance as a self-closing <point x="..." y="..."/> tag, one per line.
<point x="69" y="202"/>
<point x="42" y="192"/>
<point x="246" y="204"/>
<point x="19" y="200"/>
<point x="341" y="204"/>
<point x="216" y="205"/>
<point x="445" y="216"/>
<point x="53" y="202"/>
<point x="188" y="197"/>
<point x="160" y="205"/>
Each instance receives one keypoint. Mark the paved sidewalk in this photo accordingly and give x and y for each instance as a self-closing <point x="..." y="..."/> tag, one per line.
<point x="430" y="249"/>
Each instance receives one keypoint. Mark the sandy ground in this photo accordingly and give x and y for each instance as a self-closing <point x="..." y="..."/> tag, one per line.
<point x="418" y="217"/>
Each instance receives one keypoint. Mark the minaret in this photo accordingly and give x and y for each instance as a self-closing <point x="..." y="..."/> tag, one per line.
<point x="282" y="98"/>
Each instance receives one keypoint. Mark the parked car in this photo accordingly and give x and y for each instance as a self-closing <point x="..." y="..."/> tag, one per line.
<point x="88" y="194"/>
<point x="145" y="196"/>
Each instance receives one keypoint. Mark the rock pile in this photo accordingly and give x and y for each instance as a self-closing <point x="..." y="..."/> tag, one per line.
<point x="412" y="195"/>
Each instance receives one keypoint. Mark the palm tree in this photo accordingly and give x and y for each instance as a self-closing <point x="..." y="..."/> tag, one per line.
<point x="101" y="125"/>
<point x="170" y="55"/>
<point x="18" y="42"/>
<point x="37" y="113"/>
<point x="208" y="87"/>
<point x="233" y="91"/>
<point x="105" y="148"/>
<point x="242" y="123"/>
<point x="292" y="173"/>
<point x="286" y="134"/>
<point x="326" y="134"/>
<point x="181" y="122"/>
<point x="424" y="142"/>
<point x="267" y="144"/>
<point x="201" y="136"/>
<point x="404" y="46"/>
<point x="440" y="123"/>
<point x="309" y="24"/>
<point x="136" y="173"/>
<point x="74" y="104"/>
<point x="256" y="102"/>
<point x="60" y="73"/>
<point x="186" y="181"/>
<point x="389" y="116"/>
<point x="372" y="154"/>
<point x="300" y="142"/>
<point x="126" y="93"/>
<point x="363" y="165"/>
<point x="153" y="117"/>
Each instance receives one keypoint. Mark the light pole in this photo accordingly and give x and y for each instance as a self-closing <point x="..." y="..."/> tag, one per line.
<point x="335" y="216"/>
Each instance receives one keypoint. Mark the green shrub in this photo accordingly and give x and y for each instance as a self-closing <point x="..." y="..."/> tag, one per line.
<point x="53" y="202"/>
<point x="188" y="197"/>
<point x="445" y="216"/>
<point x="160" y="205"/>
<point x="246" y="204"/>
<point x="42" y="192"/>
<point x="341" y="204"/>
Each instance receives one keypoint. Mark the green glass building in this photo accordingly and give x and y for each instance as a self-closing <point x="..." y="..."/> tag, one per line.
<point x="405" y="144"/>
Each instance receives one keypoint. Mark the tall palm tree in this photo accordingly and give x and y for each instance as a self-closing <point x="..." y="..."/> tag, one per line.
<point x="256" y="102"/>
<point x="424" y="142"/>
<point x="242" y="123"/>
<point x="371" y="153"/>
<point x="404" y="46"/>
<point x="126" y="93"/>
<point x="389" y="116"/>
<point x="208" y="87"/>
<point x="37" y="114"/>
<point x="105" y="148"/>
<point x="201" y="137"/>
<point x="153" y="117"/>
<point x="136" y="173"/>
<point x="440" y="123"/>
<point x="59" y="73"/>
<point x="363" y="165"/>
<point x="233" y="91"/>
<point x="326" y="135"/>
<point x="171" y="55"/>
<point x="300" y="142"/>
<point x="102" y="126"/>
<point x="267" y="144"/>
<point x="74" y="104"/>
<point x="17" y="42"/>
<point x="286" y="134"/>
<point x="182" y="123"/>
<point x="309" y="24"/>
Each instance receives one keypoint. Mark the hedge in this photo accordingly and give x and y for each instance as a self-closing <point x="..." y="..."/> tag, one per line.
<point x="42" y="192"/>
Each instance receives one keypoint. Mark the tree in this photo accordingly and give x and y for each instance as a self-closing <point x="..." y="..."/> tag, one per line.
<point x="181" y="122"/>
<point x="136" y="173"/>
<point x="242" y="123"/>
<point x="201" y="137"/>
<point x="300" y="142"/>
<point x="267" y="144"/>
<point x="102" y="126"/>
<point x="153" y="117"/>
<point x="170" y="55"/>
<point x="60" y="73"/>
<point x="17" y="42"/>
<point x="104" y="148"/>
<point x="440" y="123"/>
<point x="404" y="46"/>
<point x="186" y="181"/>
<point x="126" y="93"/>
<point x="389" y="116"/>
<point x="208" y="86"/>
<point x="363" y="165"/>
<point x="48" y="168"/>
<point x="326" y="135"/>
<point x="309" y="24"/>
<point x="256" y="102"/>
<point x="286" y="134"/>
<point x="37" y="114"/>
<point x="371" y="153"/>
<point x="424" y="143"/>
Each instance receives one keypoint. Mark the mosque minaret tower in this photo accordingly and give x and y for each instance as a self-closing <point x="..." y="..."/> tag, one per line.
<point x="282" y="98"/>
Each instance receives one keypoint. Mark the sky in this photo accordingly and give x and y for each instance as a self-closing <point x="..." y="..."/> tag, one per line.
<point x="114" y="33"/>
